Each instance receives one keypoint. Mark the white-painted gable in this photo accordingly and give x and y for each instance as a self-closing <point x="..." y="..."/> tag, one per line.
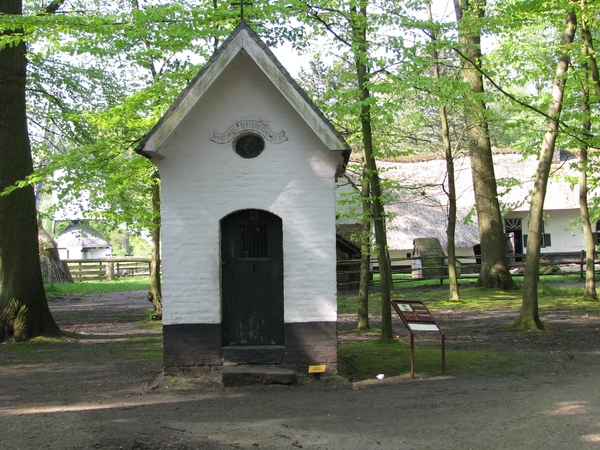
<point x="243" y="41"/>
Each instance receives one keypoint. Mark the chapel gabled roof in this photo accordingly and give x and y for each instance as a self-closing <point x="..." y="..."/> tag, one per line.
<point x="243" y="37"/>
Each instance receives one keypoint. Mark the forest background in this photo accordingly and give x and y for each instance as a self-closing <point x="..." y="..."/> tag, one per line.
<point x="81" y="82"/>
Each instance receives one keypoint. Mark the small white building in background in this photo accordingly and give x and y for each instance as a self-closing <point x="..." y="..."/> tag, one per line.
<point x="248" y="167"/>
<point x="78" y="241"/>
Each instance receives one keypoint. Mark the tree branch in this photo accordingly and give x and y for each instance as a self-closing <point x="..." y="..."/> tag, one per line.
<point x="53" y="6"/>
<point x="311" y="11"/>
<point x="497" y="87"/>
<point x="562" y="125"/>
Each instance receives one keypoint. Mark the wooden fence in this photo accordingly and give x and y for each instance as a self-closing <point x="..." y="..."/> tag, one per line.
<point x="404" y="269"/>
<point x="413" y="269"/>
<point x="105" y="268"/>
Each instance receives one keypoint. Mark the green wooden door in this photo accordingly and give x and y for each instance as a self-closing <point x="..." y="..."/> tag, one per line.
<point x="252" y="278"/>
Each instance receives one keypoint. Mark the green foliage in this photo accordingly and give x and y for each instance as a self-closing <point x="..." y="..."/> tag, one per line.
<point x="100" y="80"/>
<point x="123" y="241"/>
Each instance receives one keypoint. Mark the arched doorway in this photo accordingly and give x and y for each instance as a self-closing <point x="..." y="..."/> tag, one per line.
<point x="252" y="279"/>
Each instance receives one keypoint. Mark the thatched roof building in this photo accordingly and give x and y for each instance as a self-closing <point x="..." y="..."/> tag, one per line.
<point x="418" y="203"/>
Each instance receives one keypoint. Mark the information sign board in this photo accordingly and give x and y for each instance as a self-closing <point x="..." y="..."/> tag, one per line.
<point x="416" y="317"/>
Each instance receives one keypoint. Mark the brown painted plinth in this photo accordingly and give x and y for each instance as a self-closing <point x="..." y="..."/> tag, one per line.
<point x="196" y="349"/>
<point x="259" y="354"/>
<point x="252" y="375"/>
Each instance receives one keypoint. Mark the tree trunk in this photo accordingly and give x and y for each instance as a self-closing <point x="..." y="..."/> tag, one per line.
<point x="529" y="317"/>
<point x="360" y="38"/>
<point x="590" y="54"/>
<point x="24" y="311"/>
<point x="365" y="255"/>
<point x="454" y="294"/>
<point x="155" y="294"/>
<point x="57" y="271"/>
<point x="494" y="271"/>
<point x="590" y="267"/>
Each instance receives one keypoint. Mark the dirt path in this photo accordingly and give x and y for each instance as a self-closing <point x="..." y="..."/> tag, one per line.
<point x="102" y="389"/>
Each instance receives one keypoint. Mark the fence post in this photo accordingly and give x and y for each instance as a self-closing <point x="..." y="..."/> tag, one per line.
<point x="581" y="261"/>
<point x="111" y="271"/>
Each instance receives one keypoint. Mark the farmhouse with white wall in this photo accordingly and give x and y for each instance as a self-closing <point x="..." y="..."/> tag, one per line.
<point x="247" y="166"/>
<point x="419" y="207"/>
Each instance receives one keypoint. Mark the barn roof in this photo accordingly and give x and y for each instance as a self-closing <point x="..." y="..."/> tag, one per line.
<point x="243" y="38"/>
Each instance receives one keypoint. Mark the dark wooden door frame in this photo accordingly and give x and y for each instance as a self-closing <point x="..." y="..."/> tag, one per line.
<point x="252" y="279"/>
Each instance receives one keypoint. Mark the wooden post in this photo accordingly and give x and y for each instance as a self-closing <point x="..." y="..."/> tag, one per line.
<point x="442" y="274"/>
<point x="581" y="263"/>
<point x="49" y="271"/>
<point x="111" y="271"/>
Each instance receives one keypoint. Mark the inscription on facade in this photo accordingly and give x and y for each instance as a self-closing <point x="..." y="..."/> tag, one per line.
<point x="249" y="125"/>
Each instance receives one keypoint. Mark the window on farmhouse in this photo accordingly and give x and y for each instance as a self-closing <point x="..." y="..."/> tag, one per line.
<point x="545" y="238"/>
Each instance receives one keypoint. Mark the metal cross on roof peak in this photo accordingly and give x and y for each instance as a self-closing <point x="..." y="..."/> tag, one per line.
<point x="241" y="4"/>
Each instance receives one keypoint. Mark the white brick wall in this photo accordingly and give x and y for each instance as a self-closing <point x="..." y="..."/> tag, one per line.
<point x="203" y="181"/>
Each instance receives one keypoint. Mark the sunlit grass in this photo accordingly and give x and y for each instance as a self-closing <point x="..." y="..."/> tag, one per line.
<point x="99" y="287"/>
<point x="550" y="295"/>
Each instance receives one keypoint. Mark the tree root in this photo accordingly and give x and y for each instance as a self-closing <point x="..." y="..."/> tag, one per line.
<point x="530" y="325"/>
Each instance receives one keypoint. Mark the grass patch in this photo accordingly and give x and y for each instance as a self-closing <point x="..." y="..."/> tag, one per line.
<point x="365" y="360"/>
<point x="471" y="298"/>
<point x="149" y="323"/>
<point x="134" y="348"/>
<point x="74" y="349"/>
<point x="405" y="280"/>
<point x="99" y="287"/>
<point x="349" y="304"/>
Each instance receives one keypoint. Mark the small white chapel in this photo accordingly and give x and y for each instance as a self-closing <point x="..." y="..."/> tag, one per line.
<point x="248" y="166"/>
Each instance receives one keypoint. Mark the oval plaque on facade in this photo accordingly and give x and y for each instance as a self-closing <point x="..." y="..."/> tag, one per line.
<point x="245" y="126"/>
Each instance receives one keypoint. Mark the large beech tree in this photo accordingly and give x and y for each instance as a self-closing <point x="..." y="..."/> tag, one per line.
<point x="24" y="311"/>
<point x="494" y="261"/>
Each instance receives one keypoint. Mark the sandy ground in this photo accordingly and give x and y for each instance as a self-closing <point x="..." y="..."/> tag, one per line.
<point x="87" y="392"/>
